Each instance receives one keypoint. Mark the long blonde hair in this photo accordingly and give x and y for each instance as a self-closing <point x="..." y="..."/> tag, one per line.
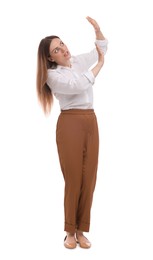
<point x="44" y="93"/>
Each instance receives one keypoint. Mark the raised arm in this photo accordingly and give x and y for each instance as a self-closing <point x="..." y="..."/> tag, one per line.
<point x="99" y="36"/>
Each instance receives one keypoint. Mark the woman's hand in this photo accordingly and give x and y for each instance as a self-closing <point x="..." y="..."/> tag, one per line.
<point x="93" y="23"/>
<point x="99" y="35"/>
<point x="100" y="55"/>
<point x="96" y="69"/>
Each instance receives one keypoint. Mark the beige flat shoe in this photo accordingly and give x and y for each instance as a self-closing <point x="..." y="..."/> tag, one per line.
<point x="83" y="242"/>
<point x="71" y="245"/>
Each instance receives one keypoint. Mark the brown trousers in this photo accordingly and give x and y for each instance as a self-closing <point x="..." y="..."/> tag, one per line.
<point x="78" y="144"/>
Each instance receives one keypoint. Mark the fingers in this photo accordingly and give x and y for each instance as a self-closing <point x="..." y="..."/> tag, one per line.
<point x="90" y="20"/>
<point x="93" y="23"/>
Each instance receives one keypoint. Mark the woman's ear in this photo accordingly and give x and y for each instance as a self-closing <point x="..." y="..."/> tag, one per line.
<point x="50" y="59"/>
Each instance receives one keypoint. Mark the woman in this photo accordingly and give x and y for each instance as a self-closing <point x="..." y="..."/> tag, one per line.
<point x="70" y="80"/>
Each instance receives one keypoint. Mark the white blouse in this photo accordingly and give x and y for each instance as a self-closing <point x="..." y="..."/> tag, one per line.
<point x="73" y="86"/>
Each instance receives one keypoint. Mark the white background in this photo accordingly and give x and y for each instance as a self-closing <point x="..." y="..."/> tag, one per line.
<point x="31" y="183"/>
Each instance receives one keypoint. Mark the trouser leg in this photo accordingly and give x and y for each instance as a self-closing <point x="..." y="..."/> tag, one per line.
<point x="89" y="175"/>
<point x="77" y="142"/>
<point x="70" y="149"/>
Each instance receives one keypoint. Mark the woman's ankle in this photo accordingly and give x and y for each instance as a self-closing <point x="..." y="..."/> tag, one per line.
<point x="79" y="233"/>
<point x="70" y="234"/>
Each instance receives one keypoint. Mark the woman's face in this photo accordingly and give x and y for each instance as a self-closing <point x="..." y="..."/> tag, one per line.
<point x="59" y="52"/>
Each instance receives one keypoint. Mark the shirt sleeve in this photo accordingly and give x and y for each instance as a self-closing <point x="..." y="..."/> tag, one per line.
<point x="86" y="60"/>
<point x="69" y="82"/>
<point x="102" y="44"/>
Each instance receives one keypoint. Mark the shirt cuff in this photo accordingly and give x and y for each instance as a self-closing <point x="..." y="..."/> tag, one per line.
<point x="89" y="75"/>
<point x="102" y="44"/>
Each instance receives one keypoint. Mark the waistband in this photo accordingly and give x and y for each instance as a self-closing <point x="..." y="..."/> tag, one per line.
<point x="78" y="111"/>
